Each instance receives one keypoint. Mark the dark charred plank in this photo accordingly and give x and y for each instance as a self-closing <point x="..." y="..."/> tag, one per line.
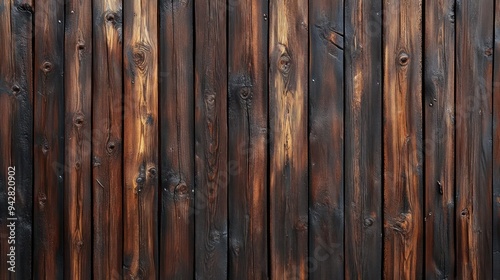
<point x="247" y="148"/>
<point x="496" y="147"/>
<point x="288" y="146"/>
<point x="16" y="137"/>
<point x="140" y="143"/>
<point x="439" y="110"/>
<point x="473" y="165"/>
<point x="403" y="159"/>
<point x="177" y="139"/>
<point x="363" y="139"/>
<point x="211" y="247"/>
<point x="107" y="139"/>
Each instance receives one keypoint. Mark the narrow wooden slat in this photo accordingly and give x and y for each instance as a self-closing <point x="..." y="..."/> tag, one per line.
<point x="177" y="139"/>
<point x="403" y="160"/>
<point x="248" y="97"/>
<point x="288" y="89"/>
<point x="496" y="147"/>
<point x="363" y="139"/>
<point x="439" y="109"/>
<point x="473" y="166"/>
<point x="140" y="59"/>
<point x="16" y="137"/>
<point x="49" y="106"/>
<point x="107" y="141"/>
<point x="211" y="178"/>
<point x="326" y="139"/>
<point x="78" y="97"/>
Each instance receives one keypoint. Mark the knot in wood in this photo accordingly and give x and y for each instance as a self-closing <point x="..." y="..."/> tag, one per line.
<point x="209" y="98"/>
<point x="152" y="172"/>
<point x="42" y="199"/>
<point x="110" y="147"/>
<point x="140" y="180"/>
<point x="465" y="212"/>
<point x="245" y="93"/>
<point x="368" y="222"/>
<point x="16" y="90"/>
<point x="284" y="64"/>
<point x="141" y="56"/>
<point x="181" y="188"/>
<point x="45" y="148"/>
<point x="46" y="67"/>
<point x="79" y="120"/>
<point x="488" y="52"/>
<point x="404" y="59"/>
<point x="110" y="17"/>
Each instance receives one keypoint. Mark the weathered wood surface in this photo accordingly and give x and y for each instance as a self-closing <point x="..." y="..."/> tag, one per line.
<point x="16" y="135"/>
<point x="403" y="155"/>
<point x="363" y="139"/>
<point x="496" y="147"/>
<point x="247" y="142"/>
<point x="107" y="139"/>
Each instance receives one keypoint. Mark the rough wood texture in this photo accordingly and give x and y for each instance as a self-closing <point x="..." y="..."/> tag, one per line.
<point x="247" y="146"/>
<point x="107" y="140"/>
<point x="326" y="139"/>
<point x="403" y="160"/>
<point x="496" y="147"/>
<point x="49" y="106"/>
<point x="140" y="140"/>
<point x="211" y="177"/>
<point x="16" y="136"/>
<point x="288" y="88"/>
<point x="474" y="67"/>
<point x="439" y="113"/>
<point x="78" y="98"/>
<point x="363" y="139"/>
<point x="177" y="139"/>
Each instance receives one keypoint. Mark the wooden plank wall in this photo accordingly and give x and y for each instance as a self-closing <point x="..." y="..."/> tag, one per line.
<point x="250" y="139"/>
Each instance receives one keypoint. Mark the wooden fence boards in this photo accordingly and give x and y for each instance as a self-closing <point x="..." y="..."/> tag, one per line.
<point x="439" y="143"/>
<point x="140" y="143"/>
<point x="211" y="240"/>
<point x="16" y="135"/>
<point x="251" y="139"/>
<point x="247" y="142"/>
<point x="473" y="165"/>
<point x="107" y="139"/>
<point x="403" y="159"/>
<point x="177" y="139"/>
<point x="363" y="139"/>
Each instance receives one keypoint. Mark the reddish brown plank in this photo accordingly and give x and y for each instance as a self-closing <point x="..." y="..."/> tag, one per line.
<point x="363" y="139"/>
<point x="288" y="60"/>
<point x="247" y="148"/>
<point x="49" y="106"/>
<point x="403" y="160"/>
<point x="439" y="110"/>
<point x="496" y="147"/>
<point x="473" y="165"/>
<point x="107" y="139"/>
<point x="140" y="143"/>
<point x="177" y="139"/>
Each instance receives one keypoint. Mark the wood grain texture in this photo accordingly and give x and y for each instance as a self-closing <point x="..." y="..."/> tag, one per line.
<point x="78" y="97"/>
<point x="496" y="147"/>
<point x="247" y="147"/>
<point x="140" y="139"/>
<point x="403" y="159"/>
<point x="177" y="139"/>
<point x="49" y="168"/>
<point x="288" y="146"/>
<point x="107" y="139"/>
<point x="16" y="135"/>
<point x="326" y="139"/>
<point x="473" y="166"/>
<point x="439" y="128"/>
<point x="211" y="242"/>
<point x="363" y="139"/>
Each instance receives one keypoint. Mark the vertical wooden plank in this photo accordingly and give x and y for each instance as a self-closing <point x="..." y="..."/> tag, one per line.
<point x="48" y="140"/>
<point x="474" y="64"/>
<point x="439" y="109"/>
<point x="403" y="181"/>
<point x="496" y="146"/>
<point x="211" y="140"/>
<point x="78" y="188"/>
<point x="363" y="139"/>
<point x="288" y="55"/>
<point x="326" y="139"/>
<point x="107" y="141"/>
<point x="248" y="97"/>
<point x="177" y="139"/>
<point x="16" y="138"/>
<point x="140" y="139"/>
